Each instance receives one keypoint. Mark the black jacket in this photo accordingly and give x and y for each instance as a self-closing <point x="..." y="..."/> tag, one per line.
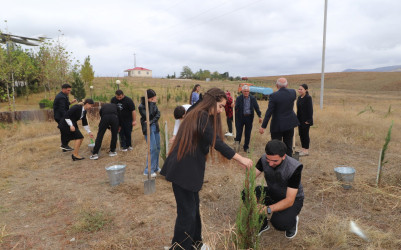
<point x="281" y="109"/>
<point x="239" y="107"/>
<point x="74" y="114"/>
<point x="154" y="115"/>
<point x="61" y="105"/>
<point x="110" y="109"/>
<point x="189" y="172"/>
<point x="305" y="110"/>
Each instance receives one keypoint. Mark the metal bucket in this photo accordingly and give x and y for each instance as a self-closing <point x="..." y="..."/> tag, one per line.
<point x="91" y="146"/>
<point x="116" y="173"/>
<point x="345" y="175"/>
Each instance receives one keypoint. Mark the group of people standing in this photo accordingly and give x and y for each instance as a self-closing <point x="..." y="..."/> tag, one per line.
<point x="119" y="116"/>
<point x="280" y="111"/>
<point x="197" y="133"/>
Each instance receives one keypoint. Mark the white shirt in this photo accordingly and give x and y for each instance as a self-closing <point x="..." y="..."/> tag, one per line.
<point x="178" y="121"/>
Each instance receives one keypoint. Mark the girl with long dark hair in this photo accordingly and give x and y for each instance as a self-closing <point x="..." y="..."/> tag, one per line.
<point x="199" y="133"/>
<point x="305" y="117"/>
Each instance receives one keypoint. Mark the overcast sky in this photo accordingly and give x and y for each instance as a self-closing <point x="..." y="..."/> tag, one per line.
<point x="244" y="38"/>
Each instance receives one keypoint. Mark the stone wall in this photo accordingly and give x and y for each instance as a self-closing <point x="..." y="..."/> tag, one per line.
<point x="38" y="115"/>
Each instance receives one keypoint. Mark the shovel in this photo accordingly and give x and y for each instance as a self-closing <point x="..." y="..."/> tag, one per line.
<point x="149" y="186"/>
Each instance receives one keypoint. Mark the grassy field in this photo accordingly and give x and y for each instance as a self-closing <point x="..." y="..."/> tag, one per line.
<point x="50" y="202"/>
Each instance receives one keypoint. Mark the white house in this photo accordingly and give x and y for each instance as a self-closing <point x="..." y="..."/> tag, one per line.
<point x="139" y="72"/>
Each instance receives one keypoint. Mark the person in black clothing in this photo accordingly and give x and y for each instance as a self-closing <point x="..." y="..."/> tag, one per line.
<point x="283" y="196"/>
<point x="199" y="132"/>
<point x="61" y="105"/>
<point x="127" y="118"/>
<point x="281" y="110"/>
<point x="245" y="107"/>
<point x="69" y="127"/>
<point x="305" y="117"/>
<point x="108" y="120"/>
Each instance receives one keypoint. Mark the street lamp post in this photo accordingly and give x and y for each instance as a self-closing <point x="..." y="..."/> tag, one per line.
<point x="323" y="55"/>
<point x="118" y="84"/>
<point x="91" y="89"/>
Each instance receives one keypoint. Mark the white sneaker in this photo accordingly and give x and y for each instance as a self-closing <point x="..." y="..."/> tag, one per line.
<point x="158" y="170"/>
<point x="229" y="134"/>
<point x="94" y="157"/>
<point x="154" y="175"/>
<point x="205" y="247"/>
<point x="112" y="153"/>
<point x="124" y="149"/>
<point x="130" y="148"/>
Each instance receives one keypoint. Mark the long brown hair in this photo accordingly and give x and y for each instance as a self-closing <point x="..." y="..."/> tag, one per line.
<point x="193" y="90"/>
<point x="188" y="134"/>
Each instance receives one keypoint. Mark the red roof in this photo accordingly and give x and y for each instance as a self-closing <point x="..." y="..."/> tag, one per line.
<point x="138" y="68"/>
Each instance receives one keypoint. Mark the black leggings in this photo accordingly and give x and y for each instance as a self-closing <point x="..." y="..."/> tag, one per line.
<point x="304" y="135"/>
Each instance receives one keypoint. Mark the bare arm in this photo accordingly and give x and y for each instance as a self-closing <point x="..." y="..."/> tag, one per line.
<point x="285" y="203"/>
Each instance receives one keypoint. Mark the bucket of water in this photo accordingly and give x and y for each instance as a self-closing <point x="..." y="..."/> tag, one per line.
<point x="91" y="146"/>
<point x="345" y="175"/>
<point x="116" y="173"/>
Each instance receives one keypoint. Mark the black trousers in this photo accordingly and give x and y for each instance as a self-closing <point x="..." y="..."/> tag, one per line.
<point x="246" y="121"/>
<point x="304" y="136"/>
<point x="57" y="120"/>
<point x="188" y="227"/>
<point x="286" y="137"/>
<point x="105" y="122"/>
<point x="281" y="220"/>
<point x="230" y="124"/>
<point x="125" y="133"/>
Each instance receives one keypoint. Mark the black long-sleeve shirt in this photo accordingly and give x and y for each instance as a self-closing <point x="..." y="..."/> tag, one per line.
<point x="189" y="172"/>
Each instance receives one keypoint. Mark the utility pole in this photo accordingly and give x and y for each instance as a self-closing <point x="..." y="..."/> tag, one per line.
<point x="134" y="60"/>
<point x="323" y="54"/>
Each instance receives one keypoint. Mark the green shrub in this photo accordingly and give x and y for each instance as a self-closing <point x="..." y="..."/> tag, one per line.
<point x="48" y="103"/>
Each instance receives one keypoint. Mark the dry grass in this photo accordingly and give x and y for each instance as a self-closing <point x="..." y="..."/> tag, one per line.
<point x="45" y="195"/>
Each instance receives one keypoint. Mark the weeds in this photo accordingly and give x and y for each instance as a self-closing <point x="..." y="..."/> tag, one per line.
<point x="91" y="221"/>
<point x="3" y="234"/>
<point x="382" y="155"/>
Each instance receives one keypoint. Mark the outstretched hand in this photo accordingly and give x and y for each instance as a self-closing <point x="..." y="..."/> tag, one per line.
<point x="245" y="162"/>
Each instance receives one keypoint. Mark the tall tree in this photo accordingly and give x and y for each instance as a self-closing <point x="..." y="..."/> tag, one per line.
<point x="186" y="73"/>
<point x="78" y="89"/>
<point x="87" y="73"/>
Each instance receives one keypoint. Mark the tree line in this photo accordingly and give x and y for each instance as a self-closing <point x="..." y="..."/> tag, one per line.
<point x="26" y="71"/>
<point x="187" y="73"/>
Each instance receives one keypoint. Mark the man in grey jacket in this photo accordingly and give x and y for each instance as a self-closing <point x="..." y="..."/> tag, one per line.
<point x="283" y="196"/>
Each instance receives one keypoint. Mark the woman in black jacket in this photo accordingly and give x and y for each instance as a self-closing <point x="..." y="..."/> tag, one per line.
<point x="305" y="117"/>
<point x="185" y="165"/>
<point x="69" y="127"/>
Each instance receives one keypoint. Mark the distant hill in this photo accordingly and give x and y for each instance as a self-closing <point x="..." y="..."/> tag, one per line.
<point x="396" y="68"/>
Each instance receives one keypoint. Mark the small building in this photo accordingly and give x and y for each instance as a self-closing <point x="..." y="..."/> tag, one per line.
<point x="139" y="72"/>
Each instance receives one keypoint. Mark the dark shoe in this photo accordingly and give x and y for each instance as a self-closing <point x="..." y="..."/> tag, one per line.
<point x="293" y="231"/>
<point x="246" y="150"/>
<point x="264" y="227"/>
<point x="74" y="158"/>
<point x="66" y="148"/>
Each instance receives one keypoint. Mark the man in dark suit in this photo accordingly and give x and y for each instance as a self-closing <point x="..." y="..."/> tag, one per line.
<point x="281" y="109"/>
<point x="61" y="105"/>
<point x="245" y="106"/>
